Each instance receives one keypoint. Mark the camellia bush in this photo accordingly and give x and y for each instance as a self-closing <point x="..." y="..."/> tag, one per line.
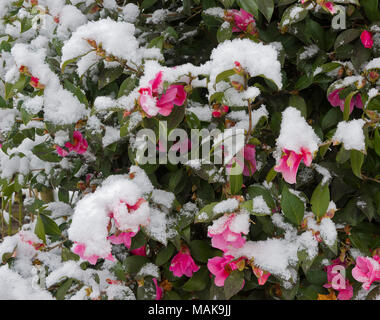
<point x="195" y="149"/>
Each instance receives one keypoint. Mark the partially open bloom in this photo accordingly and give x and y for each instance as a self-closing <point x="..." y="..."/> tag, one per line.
<point x="221" y="268"/>
<point x="249" y="160"/>
<point x="336" y="279"/>
<point x="328" y="6"/>
<point x="219" y="110"/>
<point x="80" y="145"/>
<point x="35" y="83"/>
<point x="183" y="263"/>
<point x="290" y="162"/>
<point x="367" y="270"/>
<point x="154" y="100"/>
<point x="336" y="101"/>
<point x="262" y="276"/>
<point x="130" y="216"/>
<point x="159" y="291"/>
<point x="80" y="250"/>
<point x="243" y="20"/>
<point x="227" y="231"/>
<point x="366" y="39"/>
<point x="139" y="251"/>
<point x="31" y="239"/>
<point x="123" y="237"/>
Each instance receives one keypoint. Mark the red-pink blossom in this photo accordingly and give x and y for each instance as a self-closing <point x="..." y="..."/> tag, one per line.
<point x="227" y="231"/>
<point x="367" y="270"/>
<point x="242" y="19"/>
<point x="123" y="237"/>
<point x="262" y="276"/>
<point x="366" y="38"/>
<point x="79" y="145"/>
<point x="336" y="279"/>
<point x="329" y="6"/>
<point x="290" y="162"/>
<point x="221" y="268"/>
<point x="154" y="100"/>
<point x="139" y="252"/>
<point x="183" y="264"/>
<point x="159" y="291"/>
<point x="336" y="101"/>
<point x="80" y="250"/>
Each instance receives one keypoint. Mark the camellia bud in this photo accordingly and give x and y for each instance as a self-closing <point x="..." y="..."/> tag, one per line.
<point x="238" y="68"/>
<point x="376" y="252"/>
<point x="237" y="85"/>
<point x="360" y="84"/>
<point x="373" y="76"/>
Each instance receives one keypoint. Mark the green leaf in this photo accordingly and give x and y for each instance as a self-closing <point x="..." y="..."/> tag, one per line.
<point x="45" y="153"/>
<point x="199" y="281"/>
<point x="63" y="288"/>
<point x="346" y="36"/>
<point x="201" y="250"/>
<point x="299" y="103"/>
<point x="357" y="159"/>
<point x="347" y="103"/>
<point x="108" y="76"/>
<point x="320" y="200"/>
<point x="266" y="8"/>
<point x="233" y="284"/>
<point x="50" y="227"/>
<point x="39" y="229"/>
<point x="126" y="87"/>
<point x="292" y="206"/>
<point x="377" y="141"/>
<point x="224" y="33"/>
<point x="249" y="6"/>
<point x="206" y="214"/>
<point x="147" y="4"/>
<point x="236" y="182"/>
<point x="371" y="8"/>
<point x="293" y="14"/>
<point x="133" y="264"/>
<point x="224" y="75"/>
<point x="165" y="254"/>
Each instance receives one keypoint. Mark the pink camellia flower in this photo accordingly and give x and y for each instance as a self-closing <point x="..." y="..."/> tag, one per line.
<point x="123" y="237"/>
<point x="366" y="38"/>
<point x="242" y="19"/>
<point x="153" y="100"/>
<point x="80" y="249"/>
<point x="227" y="231"/>
<point x="62" y="152"/>
<point x="35" y="83"/>
<point x="183" y="263"/>
<point x="249" y="160"/>
<point x="139" y="252"/>
<point x="220" y="111"/>
<point x="80" y="144"/>
<point x="248" y="153"/>
<point x="290" y="162"/>
<point x="159" y="291"/>
<point x="336" y="101"/>
<point x="336" y="279"/>
<point x="329" y="6"/>
<point x="262" y="276"/>
<point x="221" y="268"/>
<point x="367" y="270"/>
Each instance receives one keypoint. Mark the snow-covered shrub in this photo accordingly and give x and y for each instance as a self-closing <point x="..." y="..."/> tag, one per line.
<point x="285" y="204"/>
